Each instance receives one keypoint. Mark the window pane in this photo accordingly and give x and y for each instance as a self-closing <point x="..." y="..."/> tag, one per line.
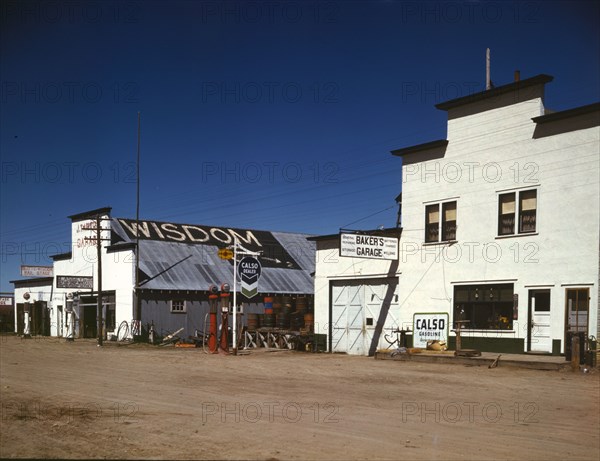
<point x="582" y="300"/>
<point x="449" y="211"/>
<point x="506" y="214"/>
<point x="542" y="301"/>
<point x="449" y="221"/>
<point x="507" y="203"/>
<point x="461" y="294"/>
<point x="432" y="219"/>
<point x="528" y="204"/>
<point x="528" y="200"/>
<point x="178" y="306"/>
<point x="433" y="214"/>
<point x="490" y="306"/>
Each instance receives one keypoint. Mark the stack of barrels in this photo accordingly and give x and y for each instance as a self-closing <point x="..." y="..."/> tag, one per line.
<point x="285" y="313"/>
<point x="253" y="322"/>
<point x="302" y="317"/>
<point x="283" y="308"/>
<point x="268" y="320"/>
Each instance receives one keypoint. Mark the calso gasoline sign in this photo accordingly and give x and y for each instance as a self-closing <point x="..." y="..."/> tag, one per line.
<point x="429" y="326"/>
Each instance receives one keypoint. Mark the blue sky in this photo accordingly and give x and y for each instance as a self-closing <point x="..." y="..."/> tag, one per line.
<point x="269" y="115"/>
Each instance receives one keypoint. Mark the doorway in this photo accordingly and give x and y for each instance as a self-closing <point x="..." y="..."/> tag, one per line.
<point x="539" y="338"/>
<point x="577" y="304"/>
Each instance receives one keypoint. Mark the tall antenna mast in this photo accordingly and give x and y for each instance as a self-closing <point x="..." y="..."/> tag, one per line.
<point x="488" y="79"/>
<point x="138" y="302"/>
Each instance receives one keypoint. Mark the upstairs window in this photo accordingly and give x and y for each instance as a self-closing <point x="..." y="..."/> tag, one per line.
<point x="527" y="211"/>
<point x="432" y="223"/>
<point x="448" y="221"/>
<point x="522" y="204"/>
<point x="440" y="220"/>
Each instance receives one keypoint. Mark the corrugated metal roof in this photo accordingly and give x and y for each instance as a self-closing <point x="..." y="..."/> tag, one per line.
<point x="170" y="265"/>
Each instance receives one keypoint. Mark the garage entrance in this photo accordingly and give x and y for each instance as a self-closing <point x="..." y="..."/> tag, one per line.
<point x="360" y="310"/>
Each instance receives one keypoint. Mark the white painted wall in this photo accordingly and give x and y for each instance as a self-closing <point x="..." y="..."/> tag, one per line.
<point x="490" y="152"/>
<point x="118" y="270"/>
<point x="330" y="266"/>
<point x="118" y="273"/>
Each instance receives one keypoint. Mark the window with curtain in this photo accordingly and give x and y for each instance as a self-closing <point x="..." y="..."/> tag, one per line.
<point x="432" y="223"/>
<point x="527" y="215"/>
<point x="440" y="222"/>
<point x="522" y="204"/>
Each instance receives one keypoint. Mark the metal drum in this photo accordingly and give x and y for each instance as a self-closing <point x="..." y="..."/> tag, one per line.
<point x="268" y="305"/>
<point x="309" y="321"/>
<point x="252" y="322"/>
<point x="302" y="304"/>
<point x="287" y="303"/>
<point x="277" y="304"/>
<point x="283" y="321"/>
<point x="268" y="321"/>
<point x="296" y="321"/>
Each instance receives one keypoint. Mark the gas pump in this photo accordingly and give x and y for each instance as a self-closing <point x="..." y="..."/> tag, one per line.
<point x="27" y="316"/>
<point x="70" y="318"/>
<point x="213" y="297"/>
<point x="224" y="340"/>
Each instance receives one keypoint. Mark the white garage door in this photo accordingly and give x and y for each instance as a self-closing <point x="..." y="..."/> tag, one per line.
<point x="361" y="311"/>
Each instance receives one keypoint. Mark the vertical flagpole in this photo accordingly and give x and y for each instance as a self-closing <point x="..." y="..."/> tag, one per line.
<point x="235" y="245"/>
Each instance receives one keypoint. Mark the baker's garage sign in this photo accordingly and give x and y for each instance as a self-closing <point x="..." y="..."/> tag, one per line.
<point x="368" y="246"/>
<point x="429" y="326"/>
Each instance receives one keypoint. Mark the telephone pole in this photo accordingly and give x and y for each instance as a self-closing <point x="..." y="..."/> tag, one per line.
<point x="98" y="240"/>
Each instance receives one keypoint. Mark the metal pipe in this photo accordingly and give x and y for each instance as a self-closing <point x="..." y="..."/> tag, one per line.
<point x="488" y="77"/>
<point x="234" y="326"/>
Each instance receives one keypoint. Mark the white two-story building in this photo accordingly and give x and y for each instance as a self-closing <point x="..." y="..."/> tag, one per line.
<point x="500" y="224"/>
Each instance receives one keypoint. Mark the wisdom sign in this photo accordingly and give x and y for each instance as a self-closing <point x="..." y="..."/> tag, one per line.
<point x="430" y="326"/>
<point x="249" y="270"/>
<point x="368" y="246"/>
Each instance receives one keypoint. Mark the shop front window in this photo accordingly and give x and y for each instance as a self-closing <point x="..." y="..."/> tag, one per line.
<point x="486" y="307"/>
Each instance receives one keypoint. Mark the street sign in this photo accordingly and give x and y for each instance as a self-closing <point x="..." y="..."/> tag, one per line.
<point x="249" y="270"/>
<point x="74" y="281"/>
<point x="6" y="300"/>
<point x="225" y="253"/>
<point x="37" y="271"/>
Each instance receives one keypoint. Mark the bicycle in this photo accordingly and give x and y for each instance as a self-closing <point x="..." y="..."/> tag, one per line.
<point x="400" y="341"/>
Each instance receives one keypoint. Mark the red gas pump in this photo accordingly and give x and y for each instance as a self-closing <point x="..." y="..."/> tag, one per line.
<point x="224" y="340"/>
<point x="213" y="297"/>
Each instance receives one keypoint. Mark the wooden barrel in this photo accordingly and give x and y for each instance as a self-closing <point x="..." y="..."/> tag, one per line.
<point x="287" y="304"/>
<point x="296" y="321"/>
<point x="268" y="321"/>
<point x="277" y="304"/>
<point x="252" y="321"/>
<point x="309" y="321"/>
<point x="268" y="303"/>
<point x="282" y="321"/>
<point x="301" y="303"/>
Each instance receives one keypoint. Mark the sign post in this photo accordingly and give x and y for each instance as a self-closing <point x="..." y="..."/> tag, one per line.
<point x="242" y="251"/>
<point x="249" y="270"/>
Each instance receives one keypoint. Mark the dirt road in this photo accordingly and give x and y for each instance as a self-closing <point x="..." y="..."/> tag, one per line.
<point x="77" y="400"/>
